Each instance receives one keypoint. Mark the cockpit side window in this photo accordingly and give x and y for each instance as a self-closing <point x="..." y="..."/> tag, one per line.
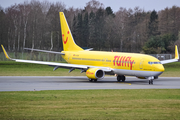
<point x="150" y="63"/>
<point x="154" y="63"/>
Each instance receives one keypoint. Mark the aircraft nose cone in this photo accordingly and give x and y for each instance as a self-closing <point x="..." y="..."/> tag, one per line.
<point x="160" y="68"/>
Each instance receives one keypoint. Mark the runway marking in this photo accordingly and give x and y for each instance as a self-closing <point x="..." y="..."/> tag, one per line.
<point x="124" y="83"/>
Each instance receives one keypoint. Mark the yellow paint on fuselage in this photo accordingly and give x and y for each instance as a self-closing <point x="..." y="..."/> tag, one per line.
<point x="107" y="59"/>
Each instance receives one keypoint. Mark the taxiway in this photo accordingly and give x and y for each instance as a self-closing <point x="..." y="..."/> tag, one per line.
<point x="31" y="83"/>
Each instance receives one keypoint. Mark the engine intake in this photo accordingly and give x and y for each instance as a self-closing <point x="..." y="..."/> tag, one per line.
<point x="95" y="73"/>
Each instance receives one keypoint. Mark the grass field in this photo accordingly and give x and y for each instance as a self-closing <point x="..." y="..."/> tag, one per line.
<point x="172" y="70"/>
<point x="11" y="68"/>
<point x="91" y="104"/>
<point x="86" y="104"/>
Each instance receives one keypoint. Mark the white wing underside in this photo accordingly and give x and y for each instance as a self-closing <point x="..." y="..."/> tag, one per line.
<point x="64" y="65"/>
<point x="168" y="61"/>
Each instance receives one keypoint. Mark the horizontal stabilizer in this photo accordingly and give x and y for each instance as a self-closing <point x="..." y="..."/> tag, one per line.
<point x="38" y="50"/>
<point x="89" y="49"/>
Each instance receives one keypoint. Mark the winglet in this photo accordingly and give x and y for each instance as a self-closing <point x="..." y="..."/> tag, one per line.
<point x="5" y="53"/>
<point x="176" y="52"/>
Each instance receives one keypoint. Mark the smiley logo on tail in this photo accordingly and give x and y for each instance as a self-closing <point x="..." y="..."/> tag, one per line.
<point x="65" y="41"/>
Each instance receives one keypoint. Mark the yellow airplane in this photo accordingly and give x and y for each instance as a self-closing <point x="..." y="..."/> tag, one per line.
<point x="97" y="63"/>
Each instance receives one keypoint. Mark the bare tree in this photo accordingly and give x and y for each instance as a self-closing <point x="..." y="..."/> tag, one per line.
<point x="13" y="16"/>
<point x="93" y="6"/>
<point x="121" y="21"/>
<point x="25" y="9"/>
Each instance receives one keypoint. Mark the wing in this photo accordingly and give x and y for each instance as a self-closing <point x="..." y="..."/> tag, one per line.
<point x="44" y="51"/>
<point x="58" y="65"/>
<point x="172" y="60"/>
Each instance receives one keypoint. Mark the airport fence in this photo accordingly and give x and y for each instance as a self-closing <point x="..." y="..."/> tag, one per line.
<point x="162" y="56"/>
<point x="39" y="56"/>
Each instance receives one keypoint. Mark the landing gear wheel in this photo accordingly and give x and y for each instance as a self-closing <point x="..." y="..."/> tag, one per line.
<point x="123" y="78"/>
<point x="95" y="80"/>
<point x="118" y="78"/>
<point x="90" y="80"/>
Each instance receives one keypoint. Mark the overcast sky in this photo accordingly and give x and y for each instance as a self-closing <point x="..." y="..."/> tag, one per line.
<point x="114" y="4"/>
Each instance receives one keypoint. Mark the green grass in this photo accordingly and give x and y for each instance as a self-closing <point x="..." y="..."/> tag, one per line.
<point x="172" y="70"/>
<point x="11" y="68"/>
<point x="91" y="104"/>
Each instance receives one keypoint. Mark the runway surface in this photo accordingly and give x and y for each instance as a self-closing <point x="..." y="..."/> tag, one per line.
<point x="24" y="83"/>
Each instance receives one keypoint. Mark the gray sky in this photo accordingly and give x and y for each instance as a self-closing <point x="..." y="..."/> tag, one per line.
<point x="114" y="4"/>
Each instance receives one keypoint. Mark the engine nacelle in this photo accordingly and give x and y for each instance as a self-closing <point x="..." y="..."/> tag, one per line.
<point x="95" y="73"/>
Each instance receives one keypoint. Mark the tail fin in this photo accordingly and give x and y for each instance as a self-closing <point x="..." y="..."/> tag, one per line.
<point x="67" y="38"/>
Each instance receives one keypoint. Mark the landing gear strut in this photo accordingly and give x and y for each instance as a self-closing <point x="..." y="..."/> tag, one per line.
<point x="121" y="78"/>
<point x="92" y="80"/>
<point x="151" y="80"/>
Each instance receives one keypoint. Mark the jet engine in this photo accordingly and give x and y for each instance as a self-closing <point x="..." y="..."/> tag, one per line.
<point x="95" y="73"/>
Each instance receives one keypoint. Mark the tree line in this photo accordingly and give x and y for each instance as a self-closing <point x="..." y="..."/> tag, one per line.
<point x="36" y="25"/>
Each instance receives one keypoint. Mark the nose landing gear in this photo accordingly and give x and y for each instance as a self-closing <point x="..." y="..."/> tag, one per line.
<point x="151" y="80"/>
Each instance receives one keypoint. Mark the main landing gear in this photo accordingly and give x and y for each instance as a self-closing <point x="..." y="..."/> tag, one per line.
<point x="121" y="78"/>
<point x="92" y="80"/>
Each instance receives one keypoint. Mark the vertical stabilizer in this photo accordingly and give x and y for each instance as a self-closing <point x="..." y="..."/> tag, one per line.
<point x="67" y="38"/>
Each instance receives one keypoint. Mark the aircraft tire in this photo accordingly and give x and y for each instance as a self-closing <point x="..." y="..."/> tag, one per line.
<point x="152" y="82"/>
<point x="119" y="78"/>
<point x="90" y="80"/>
<point x="123" y="78"/>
